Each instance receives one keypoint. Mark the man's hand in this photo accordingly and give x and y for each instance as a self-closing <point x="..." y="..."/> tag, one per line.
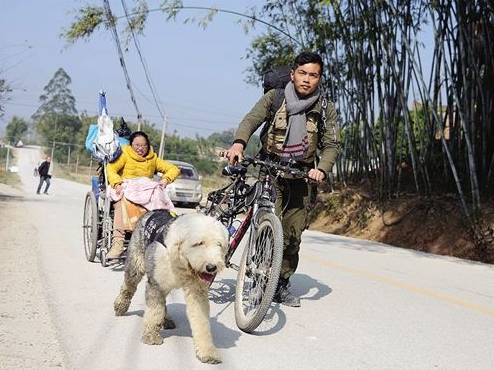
<point x="235" y="153"/>
<point x="118" y="189"/>
<point x="316" y="175"/>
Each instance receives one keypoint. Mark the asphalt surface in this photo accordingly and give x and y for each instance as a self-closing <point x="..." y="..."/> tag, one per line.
<point x="365" y="305"/>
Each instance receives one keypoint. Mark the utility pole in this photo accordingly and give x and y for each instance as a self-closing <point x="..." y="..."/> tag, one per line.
<point x="7" y="160"/>
<point x="113" y="28"/>
<point x="52" y="150"/>
<point x="162" y="141"/>
<point x="77" y="164"/>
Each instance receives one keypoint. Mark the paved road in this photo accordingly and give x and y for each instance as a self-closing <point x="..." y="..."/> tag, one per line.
<point x="364" y="305"/>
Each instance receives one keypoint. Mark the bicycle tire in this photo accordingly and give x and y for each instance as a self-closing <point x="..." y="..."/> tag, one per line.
<point x="90" y="226"/>
<point x="270" y="226"/>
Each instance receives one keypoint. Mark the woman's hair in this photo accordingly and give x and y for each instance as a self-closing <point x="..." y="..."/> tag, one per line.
<point x="139" y="133"/>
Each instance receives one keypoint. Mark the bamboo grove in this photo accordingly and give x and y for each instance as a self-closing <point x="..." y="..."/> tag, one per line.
<point x="412" y="80"/>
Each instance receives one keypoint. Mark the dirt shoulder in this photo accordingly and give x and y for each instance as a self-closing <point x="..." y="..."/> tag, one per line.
<point x="28" y="338"/>
<point x="435" y="225"/>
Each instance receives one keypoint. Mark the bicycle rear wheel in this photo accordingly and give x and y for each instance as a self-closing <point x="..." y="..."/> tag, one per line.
<point x="258" y="273"/>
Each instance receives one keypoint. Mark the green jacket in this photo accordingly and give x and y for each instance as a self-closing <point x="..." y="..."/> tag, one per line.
<point x="330" y="142"/>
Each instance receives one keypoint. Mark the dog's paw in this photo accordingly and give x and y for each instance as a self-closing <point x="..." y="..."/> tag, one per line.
<point x="152" y="338"/>
<point x="169" y="324"/>
<point x="120" y="306"/>
<point x="209" y="357"/>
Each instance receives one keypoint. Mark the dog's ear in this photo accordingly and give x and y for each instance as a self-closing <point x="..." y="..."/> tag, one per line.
<point x="175" y="239"/>
<point x="180" y="255"/>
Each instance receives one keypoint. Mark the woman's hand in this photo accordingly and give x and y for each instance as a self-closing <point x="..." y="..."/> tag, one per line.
<point x="164" y="182"/>
<point x="118" y="189"/>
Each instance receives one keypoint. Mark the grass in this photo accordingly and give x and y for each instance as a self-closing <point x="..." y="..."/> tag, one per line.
<point x="212" y="182"/>
<point x="8" y="178"/>
<point x="81" y="174"/>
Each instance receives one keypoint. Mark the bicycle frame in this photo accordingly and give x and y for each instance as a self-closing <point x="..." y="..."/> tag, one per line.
<point x="236" y="193"/>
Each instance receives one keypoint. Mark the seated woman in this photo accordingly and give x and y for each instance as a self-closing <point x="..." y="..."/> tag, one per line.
<point x="137" y="160"/>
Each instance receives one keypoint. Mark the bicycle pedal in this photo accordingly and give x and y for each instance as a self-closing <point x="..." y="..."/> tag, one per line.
<point x="233" y="266"/>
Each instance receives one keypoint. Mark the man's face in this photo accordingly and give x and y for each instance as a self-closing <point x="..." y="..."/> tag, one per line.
<point x="306" y="78"/>
<point x="48" y="159"/>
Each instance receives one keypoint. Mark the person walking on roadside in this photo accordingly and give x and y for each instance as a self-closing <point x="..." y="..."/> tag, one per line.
<point x="44" y="171"/>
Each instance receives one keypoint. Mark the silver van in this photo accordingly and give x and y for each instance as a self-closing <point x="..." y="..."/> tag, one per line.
<point x="187" y="188"/>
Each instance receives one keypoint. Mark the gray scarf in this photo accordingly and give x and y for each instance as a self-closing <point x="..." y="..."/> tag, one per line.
<point x="296" y="142"/>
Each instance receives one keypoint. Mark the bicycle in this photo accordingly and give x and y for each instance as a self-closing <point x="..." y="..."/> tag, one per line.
<point x="260" y="264"/>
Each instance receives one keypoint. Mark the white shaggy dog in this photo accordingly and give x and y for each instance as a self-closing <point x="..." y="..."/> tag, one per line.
<point x="193" y="253"/>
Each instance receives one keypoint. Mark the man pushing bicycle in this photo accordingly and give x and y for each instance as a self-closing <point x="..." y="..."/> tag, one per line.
<point x="300" y="128"/>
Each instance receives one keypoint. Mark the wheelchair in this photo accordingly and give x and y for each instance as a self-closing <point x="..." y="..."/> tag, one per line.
<point x="97" y="221"/>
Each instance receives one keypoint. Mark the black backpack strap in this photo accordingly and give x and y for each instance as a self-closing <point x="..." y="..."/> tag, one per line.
<point x="321" y="129"/>
<point x="279" y="96"/>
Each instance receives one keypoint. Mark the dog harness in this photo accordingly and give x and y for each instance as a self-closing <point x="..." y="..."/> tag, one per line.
<point x="158" y="222"/>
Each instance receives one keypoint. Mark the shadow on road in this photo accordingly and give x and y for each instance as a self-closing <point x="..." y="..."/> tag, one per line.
<point x="308" y="288"/>
<point x="223" y="291"/>
<point x="224" y="337"/>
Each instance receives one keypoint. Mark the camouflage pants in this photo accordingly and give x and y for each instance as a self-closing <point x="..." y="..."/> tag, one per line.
<point x="292" y="199"/>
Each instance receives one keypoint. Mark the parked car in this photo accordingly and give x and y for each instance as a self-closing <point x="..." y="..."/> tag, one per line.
<point x="187" y="188"/>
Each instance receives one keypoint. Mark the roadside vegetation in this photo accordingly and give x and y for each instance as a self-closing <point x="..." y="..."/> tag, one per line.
<point x="6" y="177"/>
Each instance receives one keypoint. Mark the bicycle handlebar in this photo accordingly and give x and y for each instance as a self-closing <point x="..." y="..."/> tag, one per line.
<point x="241" y="167"/>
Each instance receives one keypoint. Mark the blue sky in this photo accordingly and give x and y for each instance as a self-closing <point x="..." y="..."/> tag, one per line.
<point x="198" y="74"/>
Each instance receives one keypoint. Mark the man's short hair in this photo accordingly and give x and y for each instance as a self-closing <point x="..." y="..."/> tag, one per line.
<point x="307" y="57"/>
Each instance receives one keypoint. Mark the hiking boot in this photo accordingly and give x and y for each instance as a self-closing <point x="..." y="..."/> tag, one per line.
<point x="284" y="296"/>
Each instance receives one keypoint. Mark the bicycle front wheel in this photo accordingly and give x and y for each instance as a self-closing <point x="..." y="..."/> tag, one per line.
<point x="259" y="272"/>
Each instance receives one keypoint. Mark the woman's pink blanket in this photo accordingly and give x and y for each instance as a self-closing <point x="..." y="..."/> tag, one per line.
<point x="145" y="192"/>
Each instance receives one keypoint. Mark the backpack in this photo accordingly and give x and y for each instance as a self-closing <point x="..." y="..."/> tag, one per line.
<point x="277" y="78"/>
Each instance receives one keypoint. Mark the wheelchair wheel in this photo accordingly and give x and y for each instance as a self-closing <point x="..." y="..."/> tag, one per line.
<point x="258" y="273"/>
<point x="90" y="226"/>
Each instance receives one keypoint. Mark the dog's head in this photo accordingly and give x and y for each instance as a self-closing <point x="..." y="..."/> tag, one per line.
<point x="202" y="243"/>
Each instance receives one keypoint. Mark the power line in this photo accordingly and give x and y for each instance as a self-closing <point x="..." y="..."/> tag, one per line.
<point x="177" y="106"/>
<point x="124" y="114"/>
<point x="171" y="124"/>
<point x="143" y="63"/>
<point x="113" y="28"/>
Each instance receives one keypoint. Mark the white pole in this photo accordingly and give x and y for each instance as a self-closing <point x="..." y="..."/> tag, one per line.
<point x="162" y="141"/>
<point x="7" y="160"/>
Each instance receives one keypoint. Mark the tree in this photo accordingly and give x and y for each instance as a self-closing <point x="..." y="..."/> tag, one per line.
<point x="15" y="129"/>
<point x="57" y="97"/>
<point x="60" y="128"/>
<point x="56" y="118"/>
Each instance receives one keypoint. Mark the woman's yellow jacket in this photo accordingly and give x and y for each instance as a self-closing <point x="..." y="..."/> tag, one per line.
<point x="130" y="165"/>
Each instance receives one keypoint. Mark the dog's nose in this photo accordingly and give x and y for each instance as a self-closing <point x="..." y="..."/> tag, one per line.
<point x="210" y="268"/>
